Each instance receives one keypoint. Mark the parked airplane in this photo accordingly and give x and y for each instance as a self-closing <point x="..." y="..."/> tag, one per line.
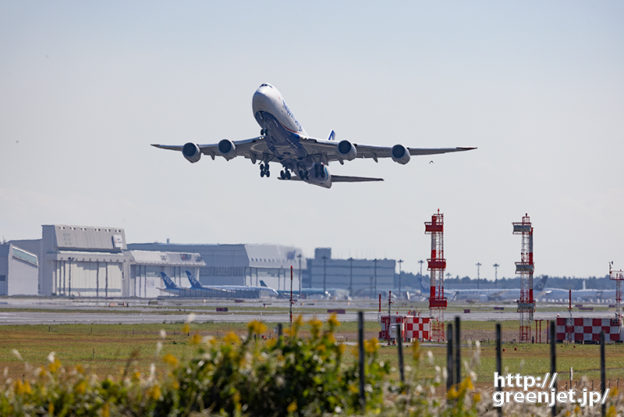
<point x="303" y="158"/>
<point x="173" y="289"/>
<point x="236" y="291"/>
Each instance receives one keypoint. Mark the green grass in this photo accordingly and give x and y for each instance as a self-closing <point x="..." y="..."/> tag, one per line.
<point x="106" y="348"/>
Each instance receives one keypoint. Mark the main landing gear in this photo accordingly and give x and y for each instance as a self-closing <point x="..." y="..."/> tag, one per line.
<point x="285" y="174"/>
<point x="264" y="170"/>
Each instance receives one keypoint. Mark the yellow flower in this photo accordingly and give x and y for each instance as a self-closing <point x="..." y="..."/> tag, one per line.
<point x="342" y="347"/>
<point x="452" y="394"/>
<point x="353" y="389"/>
<point x="81" y="387"/>
<point x="611" y="411"/>
<point x="256" y="327"/>
<point x="231" y="338"/>
<point x="613" y="393"/>
<point x="80" y="369"/>
<point x="136" y="375"/>
<point x="476" y="397"/>
<point x="320" y="348"/>
<point x="51" y="408"/>
<point x="106" y="410"/>
<point x="186" y="328"/>
<point x="54" y="365"/>
<point x="170" y="360"/>
<point x="155" y="392"/>
<point x="292" y="407"/>
<point x="315" y="327"/>
<point x="371" y="346"/>
<point x="196" y="339"/>
<point x="331" y="338"/>
<point x="333" y="320"/>
<point x="22" y="388"/>
<point x="577" y="409"/>
<point x="416" y="351"/>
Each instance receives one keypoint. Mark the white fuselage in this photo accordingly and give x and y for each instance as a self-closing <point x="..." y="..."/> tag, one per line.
<point x="282" y="132"/>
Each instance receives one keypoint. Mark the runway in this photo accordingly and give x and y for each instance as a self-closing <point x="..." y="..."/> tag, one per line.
<point x="48" y="312"/>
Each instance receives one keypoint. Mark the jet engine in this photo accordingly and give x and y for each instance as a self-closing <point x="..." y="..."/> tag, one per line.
<point x="191" y="152"/>
<point x="227" y="148"/>
<point x="400" y="154"/>
<point x="346" y="150"/>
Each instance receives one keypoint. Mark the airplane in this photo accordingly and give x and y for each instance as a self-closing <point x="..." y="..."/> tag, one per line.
<point x="303" y="158"/>
<point x="236" y="291"/>
<point x="173" y="289"/>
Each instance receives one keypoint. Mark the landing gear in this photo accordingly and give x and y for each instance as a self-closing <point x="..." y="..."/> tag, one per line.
<point x="285" y="174"/>
<point x="319" y="171"/>
<point x="263" y="132"/>
<point x="303" y="174"/>
<point x="264" y="170"/>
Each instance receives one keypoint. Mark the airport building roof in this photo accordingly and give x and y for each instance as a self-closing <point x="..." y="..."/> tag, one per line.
<point x="145" y="257"/>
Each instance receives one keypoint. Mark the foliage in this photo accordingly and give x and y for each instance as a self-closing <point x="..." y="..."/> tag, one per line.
<point x="256" y="375"/>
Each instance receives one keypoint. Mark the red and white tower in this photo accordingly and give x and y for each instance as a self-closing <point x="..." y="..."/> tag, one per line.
<point x="437" y="264"/>
<point x="525" y="268"/>
<point x="618" y="277"/>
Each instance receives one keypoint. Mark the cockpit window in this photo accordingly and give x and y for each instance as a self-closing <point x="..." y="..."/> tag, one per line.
<point x="265" y="85"/>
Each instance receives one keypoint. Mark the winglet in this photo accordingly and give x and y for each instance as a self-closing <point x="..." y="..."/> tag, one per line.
<point x="332" y="135"/>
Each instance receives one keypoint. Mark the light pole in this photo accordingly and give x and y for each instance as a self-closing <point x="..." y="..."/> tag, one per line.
<point x="496" y="274"/>
<point x="400" y="262"/>
<point x="299" y="257"/>
<point x="324" y="273"/>
<point x="375" y="265"/>
<point x="478" y="264"/>
<point x="350" y="277"/>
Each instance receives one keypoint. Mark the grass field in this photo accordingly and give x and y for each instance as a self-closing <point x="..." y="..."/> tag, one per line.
<point x="106" y="349"/>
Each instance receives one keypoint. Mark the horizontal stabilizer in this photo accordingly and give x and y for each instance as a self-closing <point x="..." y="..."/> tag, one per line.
<point x="345" y="178"/>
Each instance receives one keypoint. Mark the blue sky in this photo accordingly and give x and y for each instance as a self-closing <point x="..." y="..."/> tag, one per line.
<point x="85" y="87"/>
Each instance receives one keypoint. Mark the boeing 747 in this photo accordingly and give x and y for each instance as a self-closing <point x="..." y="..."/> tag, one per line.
<point x="303" y="158"/>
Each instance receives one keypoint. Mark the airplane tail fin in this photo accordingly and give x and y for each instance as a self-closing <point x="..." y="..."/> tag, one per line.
<point x="263" y="284"/>
<point x="332" y="136"/>
<point x="194" y="281"/>
<point x="169" y="284"/>
<point x="542" y="284"/>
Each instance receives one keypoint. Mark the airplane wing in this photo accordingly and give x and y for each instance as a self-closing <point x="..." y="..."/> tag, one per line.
<point x="327" y="151"/>
<point x="253" y="148"/>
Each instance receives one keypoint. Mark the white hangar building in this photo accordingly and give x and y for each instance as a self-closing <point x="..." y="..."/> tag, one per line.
<point x="83" y="261"/>
<point x="18" y="268"/>
<point x="239" y="264"/>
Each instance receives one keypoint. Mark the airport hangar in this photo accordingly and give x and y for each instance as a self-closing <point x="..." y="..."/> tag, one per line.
<point x="86" y="261"/>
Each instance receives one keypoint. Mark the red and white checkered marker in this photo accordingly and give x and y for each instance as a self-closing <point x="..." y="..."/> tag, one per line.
<point x="587" y="330"/>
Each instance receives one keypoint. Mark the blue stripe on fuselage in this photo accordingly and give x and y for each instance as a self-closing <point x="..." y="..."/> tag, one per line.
<point x="282" y="142"/>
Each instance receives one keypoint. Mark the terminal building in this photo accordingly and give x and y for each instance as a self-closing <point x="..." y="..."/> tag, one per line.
<point x="360" y="277"/>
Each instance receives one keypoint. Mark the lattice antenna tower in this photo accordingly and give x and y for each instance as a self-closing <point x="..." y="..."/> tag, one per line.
<point x="618" y="277"/>
<point x="525" y="268"/>
<point x="436" y="265"/>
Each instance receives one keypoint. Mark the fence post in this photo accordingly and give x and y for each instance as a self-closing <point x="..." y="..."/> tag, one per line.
<point x="457" y="351"/>
<point x="499" y="362"/>
<point x="279" y="330"/>
<point x="603" y="384"/>
<point x="361" y="357"/>
<point x="553" y="363"/>
<point x="400" y="350"/>
<point x="450" y="372"/>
